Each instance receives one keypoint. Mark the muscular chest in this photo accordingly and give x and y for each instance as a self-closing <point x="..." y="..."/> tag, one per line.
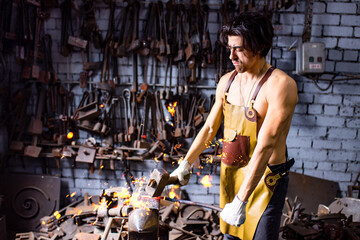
<point x="241" y="94"/>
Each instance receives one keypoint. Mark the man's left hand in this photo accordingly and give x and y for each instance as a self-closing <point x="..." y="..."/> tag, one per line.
<point x="234" y="213"/>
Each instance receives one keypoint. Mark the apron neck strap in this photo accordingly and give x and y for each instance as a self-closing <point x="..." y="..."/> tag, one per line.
<point x="262" y="81"/>
<point x="231" y="79"/>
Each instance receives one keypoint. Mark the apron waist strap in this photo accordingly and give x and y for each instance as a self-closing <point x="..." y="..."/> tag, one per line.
<point x="283" y="168"/>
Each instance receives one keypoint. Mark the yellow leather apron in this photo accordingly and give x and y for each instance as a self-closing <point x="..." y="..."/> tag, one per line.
<point x="240" y="138"/>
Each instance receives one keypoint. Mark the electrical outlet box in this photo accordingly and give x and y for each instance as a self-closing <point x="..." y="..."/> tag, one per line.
<point x="310" y="58"/>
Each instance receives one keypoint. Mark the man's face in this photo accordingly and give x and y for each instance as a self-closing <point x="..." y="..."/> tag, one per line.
<point x="241" y="58"/>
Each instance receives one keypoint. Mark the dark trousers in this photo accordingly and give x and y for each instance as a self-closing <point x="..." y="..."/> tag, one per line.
<point x="269" y="225"/>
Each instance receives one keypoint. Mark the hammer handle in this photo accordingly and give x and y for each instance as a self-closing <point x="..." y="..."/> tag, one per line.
<point x="173" y="180"/>
<point x="193" y="203"/>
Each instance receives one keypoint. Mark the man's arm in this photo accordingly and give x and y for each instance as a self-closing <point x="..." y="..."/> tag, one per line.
<point x="211" y="125"/>
<point x="281" y="96"/>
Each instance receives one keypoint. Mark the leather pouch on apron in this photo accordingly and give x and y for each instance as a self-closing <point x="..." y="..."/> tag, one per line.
<point x="236" y="149"/>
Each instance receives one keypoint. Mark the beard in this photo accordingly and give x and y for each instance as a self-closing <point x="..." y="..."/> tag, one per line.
<point x="240" y="67"/>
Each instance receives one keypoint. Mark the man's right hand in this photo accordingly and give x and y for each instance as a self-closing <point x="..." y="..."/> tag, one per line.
<point x="182" y="172"/>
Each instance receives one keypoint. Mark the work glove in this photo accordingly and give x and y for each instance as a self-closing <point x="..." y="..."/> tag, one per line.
<point x="182" y="172"/>
<point x="234" y="213"/>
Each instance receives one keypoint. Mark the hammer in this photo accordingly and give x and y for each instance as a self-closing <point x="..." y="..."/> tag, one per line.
<point x="159" y="178"/>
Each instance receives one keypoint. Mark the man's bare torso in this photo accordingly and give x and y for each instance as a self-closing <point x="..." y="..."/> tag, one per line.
<point x="240" y="93"/>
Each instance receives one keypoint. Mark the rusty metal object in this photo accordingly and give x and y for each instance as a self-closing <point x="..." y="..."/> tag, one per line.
<point x="124" y="217"/>
<point x="107" y="229"/>
<point x="143" y="221"/>
<point x="159" y="178"/>
<point x="28" y="198"/>
<point x="85" y="154"/>
<point x="324" y="225"/>
<point x="355" y="186"/>
<point x="86" y="236"/>
<point x="311" y="190"/>
<point x="25" y="236"/>
<point x="347" y="206"/>
<point x="143" y="224"/>
<point x="294" y="210"/>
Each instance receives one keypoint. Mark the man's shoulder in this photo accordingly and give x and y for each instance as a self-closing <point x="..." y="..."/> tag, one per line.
<point x="224" y="79"/>
<point x="279" y="77"/>
<point x="280" y="84"/>
<point x="227" y="76"/>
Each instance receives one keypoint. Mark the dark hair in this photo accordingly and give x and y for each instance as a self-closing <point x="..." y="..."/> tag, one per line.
<point x="255" y="29"/>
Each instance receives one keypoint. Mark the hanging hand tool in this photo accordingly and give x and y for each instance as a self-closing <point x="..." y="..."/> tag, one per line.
<point x="120" y="135"/>
<point x="66" y="26"/>
<point x="160" y="34"/>
<point x="41" y="16"/>
<point x="118" y="48"/>
<point x="206" y="42"/>
<point x="36" y="128"/>
<point x="126" y="94"/>
<point x="167" y="51"/>
<point x="169" y="94"/>
<point x="180" y="56"/>
<point x="161" y="131"/>
<point x="144" y="86"/>
<point x="133" y="116"/>
<point x="106" y="82"/>
<point x="18" y="145"/>
<point x="140" y="142"/>
<point x="130" y="115"/>
<point x="165" y="94"/>
<point x="90" y="29"/>
<point x="155" y="38"/>
<point x="135" y="44"/>
<point x="76" y="41"/>
<point x="106" y="123"/>
<point x="90" y="111"/>
<point x="49" y="73"/>
<point x="148" y="31"/>
<point x="178" y="113"/>
<point x="201" y="116"/>
<point x="189" y="130"/>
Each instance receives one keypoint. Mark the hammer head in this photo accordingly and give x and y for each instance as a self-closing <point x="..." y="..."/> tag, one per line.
<point x="159" y="178"/>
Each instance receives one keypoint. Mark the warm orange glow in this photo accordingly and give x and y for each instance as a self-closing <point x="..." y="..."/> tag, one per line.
<point x="70" y="135"/>
<point x="210" y="159"/>
<point x="143" y="136"/>
<point x="137" y="201"/>
<point x="72" y="194"/>
<point x="57" y="215"/>
<point x="102" y="105"/>
<point x="206" y="181"/>
<point x="124" y="194"/>
<point x="172" y="193"/>
<point x="171" y="108"/>
<point x="102" y="166"/>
